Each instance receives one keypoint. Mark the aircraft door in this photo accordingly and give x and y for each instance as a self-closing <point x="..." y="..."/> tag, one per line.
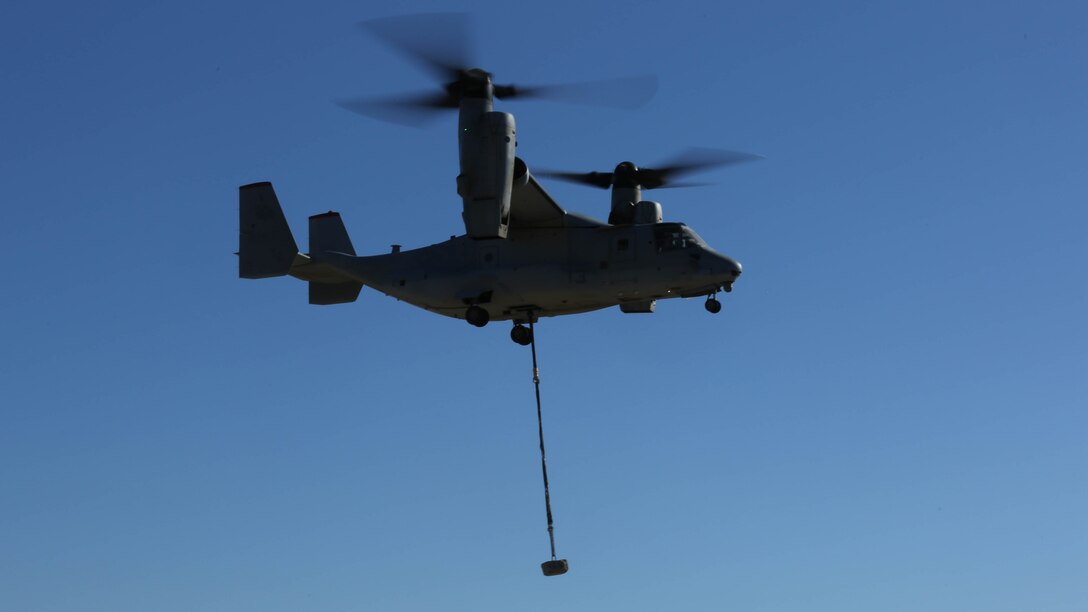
<point x="623" y="258"/>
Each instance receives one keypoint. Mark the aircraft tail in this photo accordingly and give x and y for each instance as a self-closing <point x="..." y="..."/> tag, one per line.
<point x="266" y="246"/>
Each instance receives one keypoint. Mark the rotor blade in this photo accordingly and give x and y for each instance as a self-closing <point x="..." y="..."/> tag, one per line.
<point x="697" y="159"/>
<point x="684" y="185"/>
<point x="691" y="161"/>
<point x="628" y="92"/>
<point x="413" y="110"/>
<point x="594" y="179"/>
<point x="440" y="43"/>
<point x="629" y="175"/>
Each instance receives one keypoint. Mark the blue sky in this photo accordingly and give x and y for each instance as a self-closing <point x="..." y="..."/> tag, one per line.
<point x="888" y="414"/>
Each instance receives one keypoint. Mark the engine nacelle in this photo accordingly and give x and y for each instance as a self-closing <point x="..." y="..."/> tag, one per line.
<point x="623" y="204"/>
<point x="487" y="174"/>
<point x="647" y="212"/>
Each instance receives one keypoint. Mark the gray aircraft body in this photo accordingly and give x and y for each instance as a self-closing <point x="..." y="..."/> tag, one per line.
<point x="551" y="262"/>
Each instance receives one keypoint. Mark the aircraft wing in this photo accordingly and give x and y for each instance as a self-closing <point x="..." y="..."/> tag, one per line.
<point x="531" y="206"/>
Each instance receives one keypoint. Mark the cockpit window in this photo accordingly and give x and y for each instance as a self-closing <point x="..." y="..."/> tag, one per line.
<point x="675" y="237"/>
<point x="693" y="238"/>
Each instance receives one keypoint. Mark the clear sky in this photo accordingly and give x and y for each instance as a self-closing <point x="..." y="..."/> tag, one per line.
<point x="888" y="414"/>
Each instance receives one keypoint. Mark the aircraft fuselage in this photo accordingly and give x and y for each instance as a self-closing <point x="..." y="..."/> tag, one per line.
<point x="582" y="266"/>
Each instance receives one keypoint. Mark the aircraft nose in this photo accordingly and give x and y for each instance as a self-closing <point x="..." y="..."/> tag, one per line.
<point x="730" y="267"/>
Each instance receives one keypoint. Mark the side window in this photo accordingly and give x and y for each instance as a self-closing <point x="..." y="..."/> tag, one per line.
<point x="670" y="239"/>
<point x="661" y="240"/>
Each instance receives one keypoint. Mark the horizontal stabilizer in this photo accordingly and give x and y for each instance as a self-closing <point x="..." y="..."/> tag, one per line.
<point x="334" y="293"/>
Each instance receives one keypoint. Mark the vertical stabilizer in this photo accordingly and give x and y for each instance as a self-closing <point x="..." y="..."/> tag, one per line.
<point x="266" y="246"/>
<point x="327" y="234"/>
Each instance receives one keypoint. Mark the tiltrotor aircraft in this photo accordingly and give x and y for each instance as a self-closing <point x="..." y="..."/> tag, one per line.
<point x="522" y="256"/>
